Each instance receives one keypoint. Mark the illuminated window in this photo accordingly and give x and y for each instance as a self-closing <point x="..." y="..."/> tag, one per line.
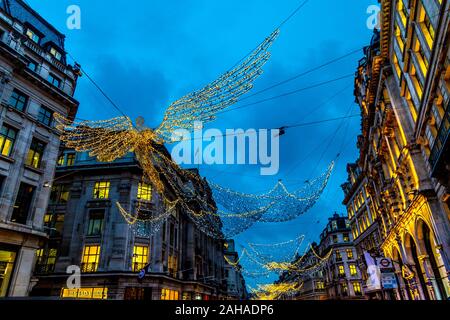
<point x="416" y="83"/>
<point x="346" y="237"/>
<point x="35" y="154"/>
<point x="338" y="256"/>
<point x="140" y="257"/>
<point x="357" y="288"/>
<point x="7" y="259"/>
<point x="101" y="190"/>
<point x="399" y="37"/>
<point x="344" y="289"/>
<point x="426" y="25"/>
<point x="7" y="139"/>
<point x="90" y="259"/>
<point x="46" y="260"/>
<point x="55" y="53"/>
<point x="95" y="226"/>
<point x="45" y="116"/>
<point x="70" y="159"/>
<point x="33" y="36"/>
<point x="349" y="254"/>
<point x="60" y="161"/>
<point x="167" y="294"/>
<point x="60" y="194"/>
<point x="320" y="285"/>
<point x="402" y="11"/>
<point x="420" y="54"/>
<point x="398" y="70"/>
<point x="144" y="191"/>
<point x="341" y="270"/>
<point x="18" y="100"/>
<point x="173" y="265"/>
<point x="353" y="271"/>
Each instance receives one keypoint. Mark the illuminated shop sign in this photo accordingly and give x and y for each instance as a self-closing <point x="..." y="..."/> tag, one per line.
<point x="85" y="293"/>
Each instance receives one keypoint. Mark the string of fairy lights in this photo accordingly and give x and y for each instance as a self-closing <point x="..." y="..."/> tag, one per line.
<point x="219" y="212"/>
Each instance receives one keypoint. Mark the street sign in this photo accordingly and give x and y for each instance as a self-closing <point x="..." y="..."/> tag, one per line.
<point x="385" y="265"/>
<point x="388" y="280"/>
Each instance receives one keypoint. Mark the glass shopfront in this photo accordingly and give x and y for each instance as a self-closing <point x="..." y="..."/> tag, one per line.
<point x="7" y="259"/>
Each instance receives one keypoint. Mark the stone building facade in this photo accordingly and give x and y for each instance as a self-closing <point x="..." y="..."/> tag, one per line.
<point x="35" y="82"/>
<point x="87" y="230"/>
<point x="236" y="288"/>
<point x="402" y="86"/>
<point x="328" y="270"/>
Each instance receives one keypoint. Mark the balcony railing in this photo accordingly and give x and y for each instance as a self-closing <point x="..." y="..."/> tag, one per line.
<point x="441" y="139"/>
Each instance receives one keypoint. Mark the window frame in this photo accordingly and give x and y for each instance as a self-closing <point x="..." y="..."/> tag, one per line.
<point x="5" y="137"/>
<point x="17" y="99"/>
<point x="45" y="116"/>
<point x="37" y="147"/>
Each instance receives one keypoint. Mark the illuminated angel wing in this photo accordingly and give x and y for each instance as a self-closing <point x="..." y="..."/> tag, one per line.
<point x="107" y="139"/>
<point x="204" y="104"/>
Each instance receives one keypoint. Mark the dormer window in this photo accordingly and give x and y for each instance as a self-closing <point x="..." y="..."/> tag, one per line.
<point x="55" y="53"/>
<point x="33" y="36"/>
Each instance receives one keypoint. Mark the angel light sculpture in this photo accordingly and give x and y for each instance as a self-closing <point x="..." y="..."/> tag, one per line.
<point x="110" y="139"/>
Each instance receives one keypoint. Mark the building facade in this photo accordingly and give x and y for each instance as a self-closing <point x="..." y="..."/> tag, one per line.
<point x="35" y="82"/>
<point x="87" y="230"/>
<point x="402" y="87"/>
<point x="328" y="270"/>
<point x="236" y="288"/>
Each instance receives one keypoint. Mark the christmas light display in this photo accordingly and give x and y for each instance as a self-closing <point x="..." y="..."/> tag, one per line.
<point x="111" y="139"/>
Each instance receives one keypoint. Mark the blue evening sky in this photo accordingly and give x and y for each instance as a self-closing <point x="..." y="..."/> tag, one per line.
<point x="146" y="54"/>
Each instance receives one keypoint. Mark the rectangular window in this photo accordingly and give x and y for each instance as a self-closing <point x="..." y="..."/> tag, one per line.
<point x="70" y="159"/>
<point x="90" y="259"/>
<point x="55" y="53"/>
<point x="346" y="237"/>
<point x="167" y="294"/>
<point x="35" y="154"/>
<point x="33" y="36"/>
<point x="320" y="285"/>
<point x="33" y="65"/>
<point x="335" y="238"/>
<point x="46" y="260"/>
<point x="173" y="265"/>
<point x="7" y="259"/>
<point x="54" y="80"/>
<point x="144" y="191"/>
<point x="426" y="25"/>
<point x="60" y="161"/>
<point x="344" y="289"/>
<point x="101" y="190"/>
<point x="349" y="254"/>
<point x="18" y="100"/>
<point x="353" y="271"/>
<point x="357" y="288"/>
<point x="60" y="194"/>
<point x="8" y="137"/>
<point x="45" y="116"/>
<point x="140" y="257"/>
<point x="338" y="256"/>
<point x="341" y="270"/>
<point x="23" y="203"/>
<point x="95" y="225"/>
